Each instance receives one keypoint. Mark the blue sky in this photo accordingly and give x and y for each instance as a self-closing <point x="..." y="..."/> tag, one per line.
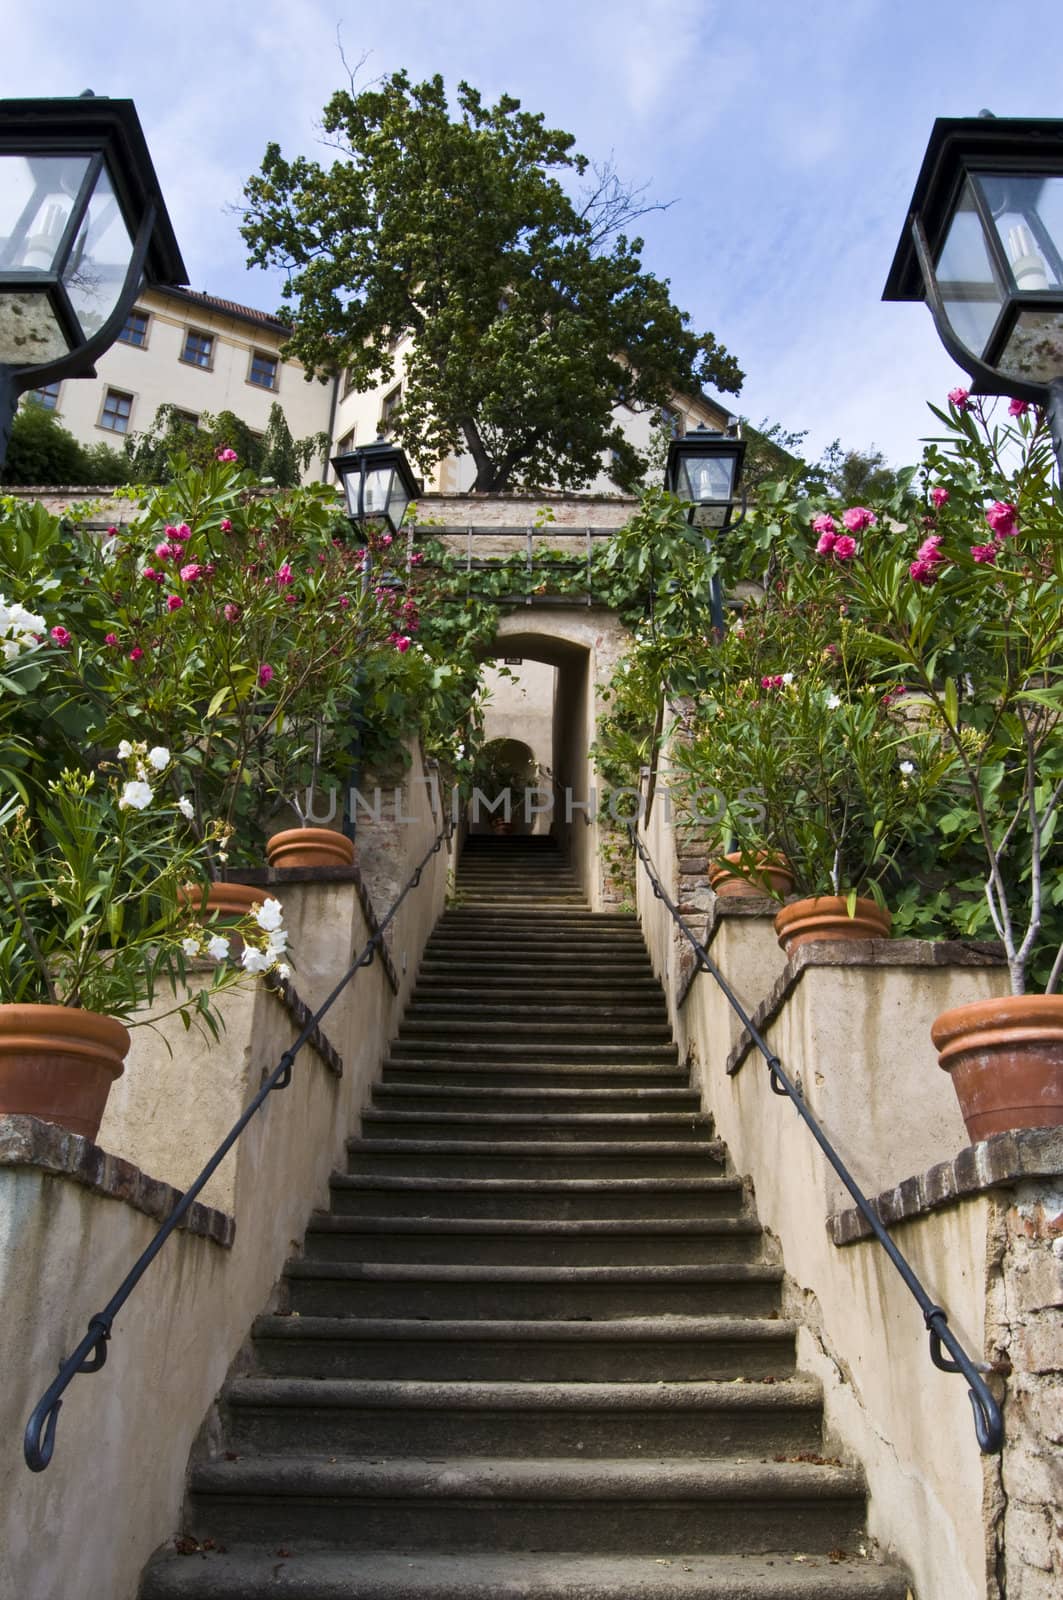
<point x="788" y="136"/>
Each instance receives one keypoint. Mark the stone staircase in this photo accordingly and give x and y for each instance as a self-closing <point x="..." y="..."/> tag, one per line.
<point x="534" y="1348"/>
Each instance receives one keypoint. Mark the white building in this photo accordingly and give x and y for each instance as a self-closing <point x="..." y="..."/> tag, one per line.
<point x="202" y="354"/>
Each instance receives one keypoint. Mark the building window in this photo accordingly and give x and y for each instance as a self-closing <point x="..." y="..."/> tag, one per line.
<point x="671" y="422"/>
<point x="199" y="349"/>
<point x="263" y="370"/>
<point x="389" y="410"/>
<point x="189" y="419"/>
<point x="135" y="330"/>
<point x="117" y="410"/>
<point x="47" y="396"/>
<point x="348" y="382"/>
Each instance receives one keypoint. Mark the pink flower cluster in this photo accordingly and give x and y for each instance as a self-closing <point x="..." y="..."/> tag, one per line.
<point x="225" y="455"/>
<point x="265" y="674"/>
<point x="61" y="637"/>
<point x="1018" y="408"/>
<point x="1003" y="519"/>
<point x="401" y="641"/>
<point x="960" y="398"/>
<point x="857" y="518"/>
<point x="772" y="681"/>
<point x="939" y="496"/>
<point x="929" y="558"/>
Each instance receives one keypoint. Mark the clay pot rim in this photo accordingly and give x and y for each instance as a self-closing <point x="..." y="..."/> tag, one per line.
<point x="307" y="835"/>
<point x="765" y="863"/>
<point x="981" y="1024"/>
<point x="831" y="905"/>
<point x="57" y="1027"/>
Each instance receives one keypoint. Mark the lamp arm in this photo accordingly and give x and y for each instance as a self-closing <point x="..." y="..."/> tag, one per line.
<point x="986" y="379"/>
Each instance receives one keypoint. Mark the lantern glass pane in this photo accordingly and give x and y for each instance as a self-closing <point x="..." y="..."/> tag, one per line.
<point x="377" y="489"/>
<point x="966" y="279"/>
<point x="99" y="261"/>
<point x="30" y="332"/>
<point x="1034" y="350"/>
<point x="37" y="195"/>
<point x="352" y="477"/>
<point x="1028" y="217"/>
<point x="399" y="502"/>
<point x="708" y="477"/>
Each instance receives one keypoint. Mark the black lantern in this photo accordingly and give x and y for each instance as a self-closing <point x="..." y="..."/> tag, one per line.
<point x="984" y="246"/>
<point x="378" y="484"/>
<point x="82" y="222"/>
<point x="705" y="468"/>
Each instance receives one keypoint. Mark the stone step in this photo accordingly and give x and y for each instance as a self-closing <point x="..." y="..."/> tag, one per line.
<point x="532" y="1029"/>
<point x="575" y="1199"/>
<point x="241" y="1573"/>
<point x="352" y="1417"/>
<point x="495" y="1504"/>
<point x="487" y="946"/>
<point x="538" y="921"/>
<point x="393" y="1289"/>
<point x="536" y="1158"/>
<point x="622" y="1350"/>
<point x="498" y="989"/>
<point x="504" y="1242"/>
<point x="532" y="1075"/>
<point x="504" y="966"/>
<point x="572" y="1126"/>
<point x="489" y="1100"/>
<point x="638" y="1012"/>
<point x="583" y="1054"/>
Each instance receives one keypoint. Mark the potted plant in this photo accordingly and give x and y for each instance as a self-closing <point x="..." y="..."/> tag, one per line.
<point x="967" y="600"/>
<point x="92" y="869"/>
<point x="798" y="761"/>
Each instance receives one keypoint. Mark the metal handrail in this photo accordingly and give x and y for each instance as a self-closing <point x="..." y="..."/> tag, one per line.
<point x="988" y="1422"/>
<point x="91" y="1354"/>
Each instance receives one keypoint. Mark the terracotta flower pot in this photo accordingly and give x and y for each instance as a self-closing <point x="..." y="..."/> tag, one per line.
<point x="774" y="875"/>
<point x="310" y="847"/>
<point x="58" y="1063"/>
<point x="227" y="899"/>
<point x="826" y="916"/>
<point x="1005" y="1058"/>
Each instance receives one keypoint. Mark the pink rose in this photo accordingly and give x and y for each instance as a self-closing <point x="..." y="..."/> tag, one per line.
<point x="986" y="554"/>
<point x="939" y="495"/>
<point x="826" y="543"/>
<point x="226" y="455"/>
<point x="174" y="602"/>
<point x="265" y="675"/>
<point x="1018" y="408"/>
<point x="225" y="525"/>
<point x="1002" y="518"/>
<point x="857" y="518"/>
<point x="61" y="637"/>
<point x="844" y="547"/>
<point x="136" y="654"/>
<point x="959" y="398"/>
<point x="111" y="639"/>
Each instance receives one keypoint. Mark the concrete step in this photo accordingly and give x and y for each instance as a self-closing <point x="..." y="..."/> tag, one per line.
<point x="352" y="1417"/>
<point x="493" y="989"/>
<point x="635" y="1013"/>
<point x="621" y="1350"/>
<point x="505" y="966"/>
<point x="392" y="1289"/>
<point x="494" y="1504"/>
<point x="536" y="1158"/>
<point x="571" y="1126"/>
<point x="489" y="1100"/>
<point x="526" y="1198"/>
<point x="539" y="1075"/>
<point x="533" y="1029"/>
<point x="242" y="1573"/>
<point x="484" y="1241"/>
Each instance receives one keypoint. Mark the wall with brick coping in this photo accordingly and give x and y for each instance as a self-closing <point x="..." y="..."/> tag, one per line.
<point x="74" y="1218"/>
<point x="856" y="1034"/>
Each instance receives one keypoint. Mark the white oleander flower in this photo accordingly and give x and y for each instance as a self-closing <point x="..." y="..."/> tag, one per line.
<point x="277" y="942"/>
<point x="907" y="767"/>
<point x="269" y="915"/>
<point x="190" y="947"/>
<point x="136" y="795"/>
<point x="833" y="701"/>
<point x="787" y="677"/>
<point x="284" y="970"/>
<point x="125" y="750"/>
<point x="255" y="960"/>
<point x="186" y="808"/>
<point x="159" y="757"/>
<point x="218" y="947"/>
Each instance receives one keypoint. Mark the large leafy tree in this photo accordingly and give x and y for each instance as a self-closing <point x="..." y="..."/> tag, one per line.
<point x="530" y="314"/>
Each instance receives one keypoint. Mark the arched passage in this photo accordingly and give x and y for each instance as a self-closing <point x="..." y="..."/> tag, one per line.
<point x="582" y="647"/>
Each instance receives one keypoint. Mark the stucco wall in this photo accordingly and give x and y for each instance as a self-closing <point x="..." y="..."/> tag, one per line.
<point x="83" y="1529"/>
<point x="858" y="1039"/>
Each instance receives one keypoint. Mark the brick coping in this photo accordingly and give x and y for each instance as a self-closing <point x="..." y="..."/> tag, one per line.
<point x="29" y="1142"/>
<point x="999" y="1162"/>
